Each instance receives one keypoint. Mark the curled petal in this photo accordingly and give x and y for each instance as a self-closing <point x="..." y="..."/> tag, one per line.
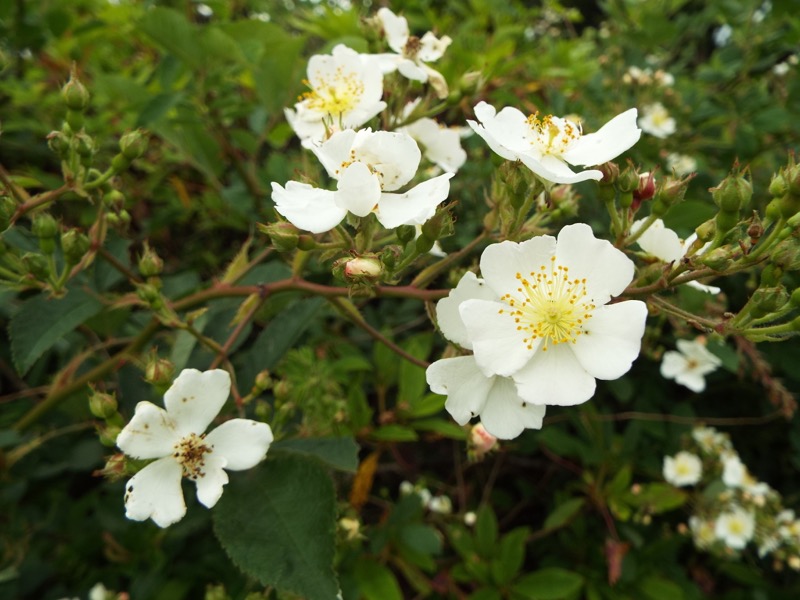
<point x="307" y="207"/>
<point x="241" y="442"/>
<point x="394" y="155"/>
<point x="504" y="131"/>
<point x="659" y="241"/>
<point x="195" y="398"/>
<point x="464" y="385"/>
<point x="155" y="493"/>
<point x="151" y="433"/>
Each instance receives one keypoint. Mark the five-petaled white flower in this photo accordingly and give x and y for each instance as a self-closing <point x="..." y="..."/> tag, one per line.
<point x="682" y="469"/>
<point x="735" y="527"/>
<point x="441" y="145"/>
<point x="690" y="364"/>
<point x="367" y="166"/>
<point x="345" y="92"/>
<point x="656" y="121"/>
<point x="548" y="145"/>
<point x="176" y="438"/>
<point x="412" y="52"/>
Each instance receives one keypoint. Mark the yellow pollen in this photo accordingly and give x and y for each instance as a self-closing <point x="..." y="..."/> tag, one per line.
<point x="552" y="135"/>
<point x="190" y="452"/>
<point x="549" y="306"/>
<point x="336" y="95"/>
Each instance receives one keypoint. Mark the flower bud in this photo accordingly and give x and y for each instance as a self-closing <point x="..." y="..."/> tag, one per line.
<point x="263" y="382"/>
<point x="439" y="225"/>
<point x="363" y="267"/>
<point x="424" y="244"/>
<point x="778" y="186"/>
<point x="669" y="193"/>
<point x="705" y="231"/>
<point x="405" y="233"/>
<point x="610" y="171"/>
<point x="102" y="405"/>
<point x="114" y="469"/>
<point x="84" y="145"/>
<point x="150" y="263"/>
<point x="628" y="180"/>
<point x="58" y="143"/>
<point x="74" y="93"/>
<point x="44" y="226"/>
<point x="114" y="198"/>
<point x="389" y="256"/>
<point x="159" y="371"/>
<point x="716" y="259"/>
<point x="120" y="162"/>
<point x="733" y="193"/>
<point x="771" y="299"/>
<point x="75" y="245"/>
<point x="108" y="435"/>
<point x="150" y="294"/>
<point x="37" y="265"/>
<point x="645" y="190"/>
<point x="283" y="235"/>
<point x="8" y="207"/>
<point x="133" y="144"/>
<point x="481" y="441"/>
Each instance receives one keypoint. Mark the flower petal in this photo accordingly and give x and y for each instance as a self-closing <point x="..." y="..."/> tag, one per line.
<point x="395" y="156"/>
<point x="462" y="382"/>
<point x="447" y="309"/>
<point x="151" y="433"/>
<point x="555" y="377"/>
<point x="506" y="415"/>
<point x="359" y="190"/>
<point x="505" y="132"/>
<point x="306" y="207"/>
<point x="556" y="170"/>
<point x="395" y="28"/>
<point x="607" y="270"/>
<point x="501" y="263"/>
<point x="336" y="150"/>
<point x="659" y="241"/>
<point x="211" y="481"/>
<point x="195" y="398"/>
<point x="155" y="493"/>
<point x="611" y="339"/>
<point x="415" y="206"/>
<point x="243" y="443"/>
<point x="672" y="364"/>
<point x="608" y="142"/>
<point x="499" y="347"/>
<point x="433" y="48"/>
<point x="411" y="70"/>
<point x="441" y="145"/>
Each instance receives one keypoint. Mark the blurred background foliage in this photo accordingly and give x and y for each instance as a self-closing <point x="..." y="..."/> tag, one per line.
<point x="554" y="516"/>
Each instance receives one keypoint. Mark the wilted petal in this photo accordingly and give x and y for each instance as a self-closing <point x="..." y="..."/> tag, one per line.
<point x="506" y="415"/>
<point x="211" y="481"/>
<point x="151" y="433"/>
<point x="433" y="48"/>
<point x="608" y="142"/>
<point x="155" y="492"/>
<point x="195" y="398"/>
<point x="241" y="442"/>
<point x="447" y="309"/>
<point x="358" y="191"/>
<point x="462" y="382"/>
<point x="415" y="206"/>
<point x="306" y="207"/>
<point x="555" y="377"/>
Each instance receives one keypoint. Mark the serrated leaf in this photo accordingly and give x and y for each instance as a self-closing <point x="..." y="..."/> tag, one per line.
<point x="549" y="584"/>
<point x="340" y="453"/>
<point x="42" y="321"/>
<point x="277" y="523"/>
<point x="563" y="513"/>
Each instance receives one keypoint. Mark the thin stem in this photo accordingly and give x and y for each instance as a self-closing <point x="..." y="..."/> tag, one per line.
<point x="430" y="273"/>
<point x="679" y="312"/>
<point x="38" y="200"/>
<point x="638" y="233"/>
<point x="237" y="332"/>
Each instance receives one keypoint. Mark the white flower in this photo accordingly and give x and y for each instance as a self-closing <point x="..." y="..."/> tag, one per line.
<point x="346" y="89"/>
<point x="656" y="121"/>
<point x="412" y="52"/>
<point x="682" y="469"/>
<point x="781" y="69"/>
<point x="681" y="164"/>
<point x="690" y="364"/>
<point x="722" y="35"/>
<point x="441" y="505"/>
<point x="710" y="440"/>
<point x="735" y="527"/>
<point x="470" y="518"/>
<point x="440" y="145"/>
<point x="176" y="438"/>
<point x="702" y="531"/>
<point x="544" y="316"/>
<point x="548" y="145"/>
<point x="367" y="166"/>
<point x="734" y="473"/>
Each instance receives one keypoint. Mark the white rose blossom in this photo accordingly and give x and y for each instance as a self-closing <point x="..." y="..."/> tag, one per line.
<point x="345" y="92"/>
<point x="367" y="167"/>
<point x="689" y="365"/>
<point x="176" y="438"/>
<point x="735" y="527"/>
<point x="682" y="469"/>
<point x="412" y="53"/>
<point x="441" y="145"/>
<point x="656" y="121"/>
<point x="548" y="145"/>
<point x="681" y="164"/>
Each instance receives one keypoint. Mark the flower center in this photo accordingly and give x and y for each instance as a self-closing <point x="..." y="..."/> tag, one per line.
<point x="190" y="452"/>
<point x="336" y="95"/>
<point x="736" y="526"/>
<point x="549" y="305"/>
<point x="552" y="135"/>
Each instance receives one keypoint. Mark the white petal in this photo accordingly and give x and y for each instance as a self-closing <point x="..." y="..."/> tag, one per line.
<point x="673" y="364"/>
<point x="195" y="398"/>
<point x="212" y="480"/>
<point x="394" y="155"/>
<point x="241" y="442"/>
<point x="504" y="131"/>
<point x="498" y="345"/>
<point x="437" y="81"/>
<point x="411" y="70"/>
<point x="660" y="241"/>
<point x="462" y="382"/>
<point x="336" y="150"/>
<point x="395" y="28"/>
<point x="306" y="207"/>
<point x="501" y="263"/>
<point x="358" y="191"/>
<point x="611" y="339"/>
<point x="151" y="433"/>
<point x="387" y="63"/>
<point x="607" y="270"/>
<point x="608" y="142"/>
<point x="441" y="145"/>
<point x="554" y="376"/>
<point x="306" y="124"/>
<point x="155" y="493"/>
<point x="506" y="415"/>
<point x="708" y="289"/>
<point x="556" y="170"/>
<point x="447" y="313"/>
<point x="415" y="206"/>
<point x="691" y="379"/>
<point x="432" y="48"/>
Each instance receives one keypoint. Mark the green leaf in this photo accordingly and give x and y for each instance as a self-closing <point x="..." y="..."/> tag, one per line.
<point x="549" y="584"/>
<point x="277" y="523"/>
<point x="394" y="433"/>
<point x="174" y="33"/>
<point x="42" y="321"/>
<point x="426" y="405"/>
<point x="658" y="588"/>
<point x="563" y="513"/>
<point x="376" y="581"/>
<point x="442" y="427"/>
<point x="486" y="532"/>
<point x="657" y="497"/>
<point x="509" y="560"/>
<point x="412" y="383"/>
<point x="340" y="453"/>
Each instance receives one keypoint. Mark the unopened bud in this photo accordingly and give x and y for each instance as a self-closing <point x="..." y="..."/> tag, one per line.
<point x="37" y="265"/>
<point x="114" y="198"/>
<point x="102" y="405"/>
<point x="778" y="186"/>
<point x="481" y="441"/>
<point x="628" y="180"/>
<point x="705" y="231"/>
<point x="787" y="255"/>
<point x="44" y="226"/>
<point x="792" y="175"/>
<point x="120" y="163"/>
<point x="58" y="143"/>
<point x="263" y="382"/>
<point x="150" y="294"/>
<point x="150" y="263"/>
<point x="405" y="233"/>
<point x="716" y="259"/>
<point x="158" y="371"/>
<point x="283" y="235"/>
<point x="108" y="435"/>
<point x="74" y="93"/>
<point x="424" y="244"/>
<point x="646" y="189"/>
<point x="733" y="193"/>
<point x="75" y="245"/>
<point x="133" y="144"/>
<point x="770" y="300"/>
<point x="114" y="469"/>
<point x="84" y="145"/>
<point x="389" y="256"/>
<point x="439" y="225"/>
<point x="610" y="171"/>
<point x="669" y="193"/>
<point x="362" y="268"/>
